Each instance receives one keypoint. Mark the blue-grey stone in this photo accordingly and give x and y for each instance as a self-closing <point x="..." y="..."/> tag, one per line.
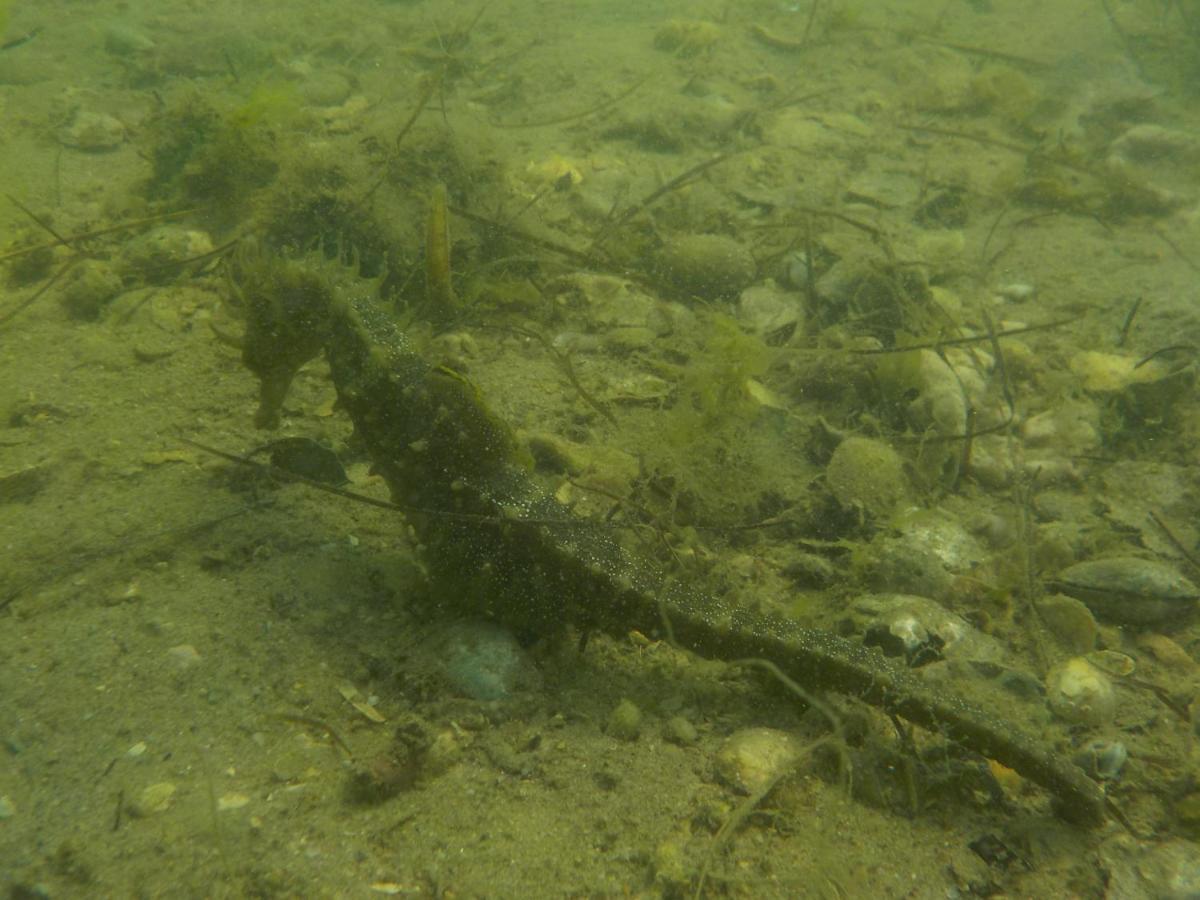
<point x="484" y="661"/>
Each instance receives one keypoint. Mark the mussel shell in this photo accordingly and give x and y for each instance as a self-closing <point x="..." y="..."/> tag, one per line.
<point x="1127" y="590"/>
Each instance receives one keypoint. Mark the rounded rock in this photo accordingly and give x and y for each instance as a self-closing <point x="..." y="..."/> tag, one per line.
<point x="483" y="661"/>
<point x="89" y="288"/>
<point x="710" y="266"/>
<point x="751" y="759"/>
<point x="625" y="722"/>
<point x="868" y="475"/>
<point x="679" y="730"/>
<point x="1078" y="692"/>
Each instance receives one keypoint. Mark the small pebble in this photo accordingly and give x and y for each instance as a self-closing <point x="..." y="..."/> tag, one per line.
<point x="89" y="288"/>
<point x="767" y="311"/>
<point x="166" y="246"/>
<point x="326" y="89"/>
<point x="867" y="475"/>
<point x="1017" y="291"/>
<point x="796" y="271"/>
<point x="126" y="40"/>
<point x="184" y="655"/>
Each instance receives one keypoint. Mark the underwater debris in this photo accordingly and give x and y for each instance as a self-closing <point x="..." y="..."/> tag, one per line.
<point x="304" y="457"/>
<point x="439" y="292"/>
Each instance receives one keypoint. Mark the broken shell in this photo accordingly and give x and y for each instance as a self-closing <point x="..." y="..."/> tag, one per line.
<point x="152" y="799"/>
<point x="1079" y="692"/>
<point x="1128" y="590"/>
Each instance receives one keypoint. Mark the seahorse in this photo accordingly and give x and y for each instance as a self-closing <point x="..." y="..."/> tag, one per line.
<point x="521" y="557"/>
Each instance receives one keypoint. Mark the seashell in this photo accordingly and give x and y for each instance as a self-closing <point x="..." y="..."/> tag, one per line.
<point x="154" y="798"/>
<point x="904" y="636"/>
<point x="920" y="630"/>
<point x="1128" y="590"/>
<point x="767" y="311"/>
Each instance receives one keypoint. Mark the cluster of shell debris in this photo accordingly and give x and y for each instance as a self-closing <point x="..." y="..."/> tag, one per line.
<point x="973" y="480"/>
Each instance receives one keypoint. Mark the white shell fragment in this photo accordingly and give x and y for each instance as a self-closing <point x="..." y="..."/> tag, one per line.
<point x="1128" y="590"/>
<point x="154" y="798"/>
<point x="232" y="800"/>
<point x="1017" y="291"/>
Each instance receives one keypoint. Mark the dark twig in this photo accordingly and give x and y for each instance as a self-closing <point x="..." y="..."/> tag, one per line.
<point x="578" y="114"/>
<point x="658" y="193"/>
<point x="73" y="239"/>
<point x="1123" y="336"/>
<point x="974" y="339"/>
<point x="1175" y="541"/>
<point x="1001" y="368"/>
